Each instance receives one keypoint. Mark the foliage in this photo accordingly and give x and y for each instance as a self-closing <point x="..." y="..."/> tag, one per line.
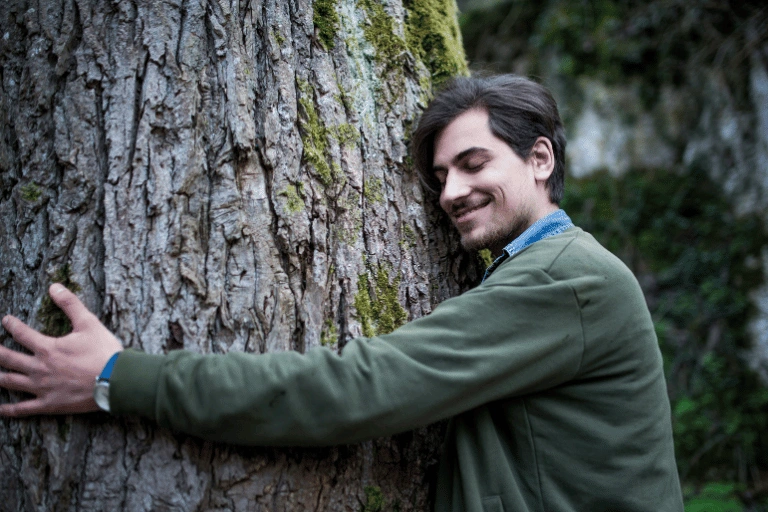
<point x="715" y="497"/>
<point x="698" y="263"/>
<point x="661" y="41"/>
<point x="697" y="260"/>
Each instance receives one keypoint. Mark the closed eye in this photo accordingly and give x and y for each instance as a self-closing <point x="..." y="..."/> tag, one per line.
<point x="475" y="165"/>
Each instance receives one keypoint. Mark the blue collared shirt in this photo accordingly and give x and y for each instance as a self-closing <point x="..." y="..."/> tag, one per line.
<point x="553" y="224"/>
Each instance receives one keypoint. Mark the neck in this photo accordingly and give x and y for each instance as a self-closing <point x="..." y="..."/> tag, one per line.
<point x="498" y="248"/>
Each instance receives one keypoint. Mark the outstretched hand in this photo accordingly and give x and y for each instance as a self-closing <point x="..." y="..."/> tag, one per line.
<point x="61" y="372"/>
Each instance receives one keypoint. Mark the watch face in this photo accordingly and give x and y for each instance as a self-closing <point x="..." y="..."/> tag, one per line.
<point x="101" y="394"/>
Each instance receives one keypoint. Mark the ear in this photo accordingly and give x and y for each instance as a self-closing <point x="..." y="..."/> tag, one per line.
<point x="542" y="158"/>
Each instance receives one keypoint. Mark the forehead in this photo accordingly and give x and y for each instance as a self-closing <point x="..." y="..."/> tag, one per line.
<point x="470" y="129"/>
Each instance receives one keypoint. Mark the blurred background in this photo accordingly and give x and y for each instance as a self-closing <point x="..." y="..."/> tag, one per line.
<point x="665" y="104"/>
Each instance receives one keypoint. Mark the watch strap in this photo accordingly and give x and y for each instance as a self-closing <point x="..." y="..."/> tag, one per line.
<point x="106" y="373"/>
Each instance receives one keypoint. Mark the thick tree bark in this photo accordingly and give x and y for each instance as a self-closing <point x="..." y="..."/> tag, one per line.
<point x="218" y="176"/>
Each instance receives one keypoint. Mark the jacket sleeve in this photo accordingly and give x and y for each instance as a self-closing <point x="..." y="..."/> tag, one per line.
<point x="507" y="337"/>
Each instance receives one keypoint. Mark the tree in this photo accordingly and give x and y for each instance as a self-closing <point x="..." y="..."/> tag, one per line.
<point x="219" y="176"/>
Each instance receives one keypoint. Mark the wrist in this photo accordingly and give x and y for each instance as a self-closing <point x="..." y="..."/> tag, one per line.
<point x="101" y="386"/>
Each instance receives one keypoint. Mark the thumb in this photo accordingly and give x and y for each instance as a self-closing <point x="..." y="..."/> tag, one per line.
<point x="75" y="310"/>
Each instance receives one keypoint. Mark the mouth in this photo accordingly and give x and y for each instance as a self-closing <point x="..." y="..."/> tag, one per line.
<point x="464" y="213"/>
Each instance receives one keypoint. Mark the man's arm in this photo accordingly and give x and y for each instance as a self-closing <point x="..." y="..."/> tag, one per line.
<point x="518" y="336"/>
<point x="60" y="372"/>
<point x="488" y="344"/>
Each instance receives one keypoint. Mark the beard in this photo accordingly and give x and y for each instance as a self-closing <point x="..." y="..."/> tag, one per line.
<point x="498" y="234"/>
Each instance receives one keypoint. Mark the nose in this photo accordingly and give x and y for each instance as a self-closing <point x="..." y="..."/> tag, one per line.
<point x="454" y="189"/>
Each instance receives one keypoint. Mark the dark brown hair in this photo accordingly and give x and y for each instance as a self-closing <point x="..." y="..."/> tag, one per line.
<point x="519" y="112"/>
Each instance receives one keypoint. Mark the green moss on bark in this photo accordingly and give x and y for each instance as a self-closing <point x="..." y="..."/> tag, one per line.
<point x="380" y="32"/>
<point x="372" y="191"/>
<point x="346" y="134"/>
<point x="31" y="192"/>
<point x="485" y="256"/>
<point x="378" y="308"/>
<point x="330" y="335"/>
<point x="54" y="321"/>
<point x="314" y="135"/>
<point x="294" y="197"/>
<point x="408" y="237"/>
<point x="326" y="21"/>
<point x="433" y="35"/>
<point x="374" y="499"/>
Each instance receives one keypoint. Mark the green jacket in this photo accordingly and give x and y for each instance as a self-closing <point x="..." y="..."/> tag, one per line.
<point x="550" y="371"/>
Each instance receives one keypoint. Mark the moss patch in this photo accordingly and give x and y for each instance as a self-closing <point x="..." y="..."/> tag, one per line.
<point x="374" y="499"/>
<point x="380" y="32"/>
<point x="314" y="135"/>
<point x="330" y="335"/>
<point x="346" y="134"/>
<point x="55" y="322"/>
<point x="294" y="197"/>
<point x="486" y="257"/>
<point x="377" y="305"/>
<point x="326" y="21"/>
<point x="432" y="34"/>
<point x="408" y="236"/>
<point x="278" y="37"/>
<point x="31" y="192"/>
<point x="372" y="191"/>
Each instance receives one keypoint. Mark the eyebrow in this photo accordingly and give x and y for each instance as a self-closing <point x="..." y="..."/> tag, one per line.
<point x="464" y="154"/>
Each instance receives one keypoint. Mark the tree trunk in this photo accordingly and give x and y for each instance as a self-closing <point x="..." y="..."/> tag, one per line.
<point x="219" y="176"/>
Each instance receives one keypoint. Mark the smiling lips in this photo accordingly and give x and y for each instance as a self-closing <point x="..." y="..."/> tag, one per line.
<point x="462" y="212"/>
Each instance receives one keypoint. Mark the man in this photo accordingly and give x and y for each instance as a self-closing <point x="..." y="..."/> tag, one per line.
<point x="549" y="370"/>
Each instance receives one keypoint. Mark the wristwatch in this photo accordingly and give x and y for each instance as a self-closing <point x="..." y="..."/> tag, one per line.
<point x="101" y="387"/>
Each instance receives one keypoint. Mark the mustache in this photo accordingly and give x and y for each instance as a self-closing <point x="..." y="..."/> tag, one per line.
<point x="465" y="206"/>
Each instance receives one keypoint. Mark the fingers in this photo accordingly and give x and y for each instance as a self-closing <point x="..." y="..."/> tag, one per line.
<point x="25" y="408"/>
<point x="17" y="382"/>
<point x="24" y="334"/>
<point x="75" y="310"/>
<point x="16" y="361"/>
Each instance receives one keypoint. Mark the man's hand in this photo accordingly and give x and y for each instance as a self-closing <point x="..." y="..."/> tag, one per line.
<point x="61" y="372"/>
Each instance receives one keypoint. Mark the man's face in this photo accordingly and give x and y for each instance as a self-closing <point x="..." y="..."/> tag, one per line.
<point x="489" y="192"/>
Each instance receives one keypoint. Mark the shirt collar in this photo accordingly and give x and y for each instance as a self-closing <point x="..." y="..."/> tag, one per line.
<point x="550" y="225"/>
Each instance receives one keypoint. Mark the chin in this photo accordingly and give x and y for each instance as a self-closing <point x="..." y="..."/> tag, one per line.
<point x="473" y="243"/>
<point x="485" y="240"/>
